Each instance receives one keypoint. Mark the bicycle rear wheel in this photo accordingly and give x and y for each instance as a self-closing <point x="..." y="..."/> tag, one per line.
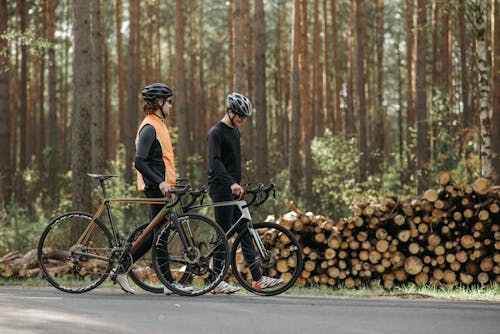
<point x="142" y="272"/>
<point x="73" y="267"/>
<point x="283" y="259"/>
<point x="202" y="265"/>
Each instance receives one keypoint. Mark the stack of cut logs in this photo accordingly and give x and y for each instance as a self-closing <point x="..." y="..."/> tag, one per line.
<point x="16" y="265"/>
<point x="449" y="236"/>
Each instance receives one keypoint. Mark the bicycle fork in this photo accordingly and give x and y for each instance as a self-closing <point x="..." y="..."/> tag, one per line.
<point x="245" y="214"/>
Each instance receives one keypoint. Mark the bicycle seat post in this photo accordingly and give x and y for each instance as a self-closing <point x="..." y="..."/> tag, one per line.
<point x="103" y="188"/>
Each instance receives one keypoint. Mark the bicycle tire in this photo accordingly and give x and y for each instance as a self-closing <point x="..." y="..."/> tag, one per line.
<point x="193" y="266"/>
<point x="285" y="258"/>
<point x="142" y="272"/>
<point x="61" y="265"/>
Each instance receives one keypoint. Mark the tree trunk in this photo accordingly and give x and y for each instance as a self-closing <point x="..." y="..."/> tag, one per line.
<point x="327" y="111"/>
<point x="23" y="92"/>
<point x="349" y="119"/>
<point x="5" y="139"/>
<point x="96" y="112"/>
<point x="147" y="38"/>
<point x="239" y="74"/>
<point x="53" y="129"/>
<point x="293" y="151"/>
<point x="158" y="45"/>
<point x="318" y="124"/>
<point x="401" y="133"/>
<point x="495" y="120"/>
<point x="410" y="82"/>
<point x="180" y="94"/>
<point x="305" y="103"/>
<point x="282" y="87"/>
<point x="260" y="92"/>
<point x="362" y="138"/>
<point x="132" y="89"/>
<point x="380" y="130"/>
<point x="336" y="72"/>
<point x="484" y="91"/>
<point x="80" y="161"/>
<point x="37" y="137"/>
<point x="421" y="100"/>
<point x="120" y="70"/>
<point x="467" y="123"/>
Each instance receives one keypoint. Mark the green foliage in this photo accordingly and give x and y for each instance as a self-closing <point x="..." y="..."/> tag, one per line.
<point x="336" y="165"/>
<point x="20" y="228"/>
<point x="197" y="171"/>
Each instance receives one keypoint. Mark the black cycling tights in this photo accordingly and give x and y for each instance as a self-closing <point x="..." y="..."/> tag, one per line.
<point x="154" y="209"/>
<point x="226" y="216"/>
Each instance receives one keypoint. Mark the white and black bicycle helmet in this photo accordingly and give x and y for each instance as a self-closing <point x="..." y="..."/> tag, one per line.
<point x="239" y="104"/>
<point x="155" y="91"/>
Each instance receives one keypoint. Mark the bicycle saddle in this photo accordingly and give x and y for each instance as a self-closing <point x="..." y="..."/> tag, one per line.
<point x="101" y="177"/>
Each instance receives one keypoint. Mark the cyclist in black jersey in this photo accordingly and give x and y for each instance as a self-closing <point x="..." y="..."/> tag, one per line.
<point x="224" y="177"/>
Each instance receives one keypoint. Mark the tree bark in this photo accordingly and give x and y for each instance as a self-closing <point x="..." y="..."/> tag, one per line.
<point x="122" y="83"/>
<point x="23" y="93"/>
<point x="362" y="138"/>
<point x="5" y="136"/>
<point x="410" y="82"/>
<point x="495" y="120"/>
<point x="421" y="99"/>
<point x="239" y="74"/>
<point x="467" y="123"/>
<point x="180" y="93"/>
<point x="133" y="88"/>
<point x="260" y="92"/>
<point x="379" y="131"/>
<point x="327" y="111"/>
<point x="96" y="107"/>
<point x="318" y="124"/>
<point x="305" y="103"/>
<point x="293" y="150"/>
<point x="484" y="91"/>
<point x="80" y="161"/>
<point x="336" y="72"/>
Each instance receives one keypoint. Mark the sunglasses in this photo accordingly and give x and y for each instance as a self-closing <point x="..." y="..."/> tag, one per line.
<point x="169" y="101"/>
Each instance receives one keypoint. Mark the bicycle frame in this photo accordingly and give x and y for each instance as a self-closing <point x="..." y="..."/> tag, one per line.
<point x="238" y="225"/>
<point x="106" y="206"/>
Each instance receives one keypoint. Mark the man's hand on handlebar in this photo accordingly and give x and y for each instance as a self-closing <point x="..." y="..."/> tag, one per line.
<point x="237" y="189"/>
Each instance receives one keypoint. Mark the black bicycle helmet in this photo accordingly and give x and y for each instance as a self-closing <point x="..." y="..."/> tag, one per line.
<point x="239" y="104"/>
<point x="156" y="91"/>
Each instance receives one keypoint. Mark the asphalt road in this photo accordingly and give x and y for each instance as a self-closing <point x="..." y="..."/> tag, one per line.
<point x="104" y="310"/>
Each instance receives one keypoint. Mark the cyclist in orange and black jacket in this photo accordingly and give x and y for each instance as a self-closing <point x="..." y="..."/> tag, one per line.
<point x="154" y="161"/>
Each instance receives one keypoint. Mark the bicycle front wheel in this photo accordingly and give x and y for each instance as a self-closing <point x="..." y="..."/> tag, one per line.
<point x="194" y="260"/>
<point x="282" y="258"/>
<point x="74" y="251"/>
<point x="142" y="272"/>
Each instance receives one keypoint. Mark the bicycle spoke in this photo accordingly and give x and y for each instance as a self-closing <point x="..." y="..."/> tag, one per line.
<point x="201" y="264"/>
<point x="282" y="259"/>
<point x="73" y="267"/>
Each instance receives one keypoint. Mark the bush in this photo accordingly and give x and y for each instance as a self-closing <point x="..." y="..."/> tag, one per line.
<point x="336" y="166"/>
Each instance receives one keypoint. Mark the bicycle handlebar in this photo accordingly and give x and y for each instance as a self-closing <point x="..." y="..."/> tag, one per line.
<point x="178" y="191"/>
<point x="260" y="189"/>
<point x="259" y="195"/>
<point x="194" y="195"/>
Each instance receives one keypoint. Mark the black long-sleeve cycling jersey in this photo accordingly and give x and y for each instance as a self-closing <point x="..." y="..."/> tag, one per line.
<point x="224" y="157"/>
<point x="148" y="158"/>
